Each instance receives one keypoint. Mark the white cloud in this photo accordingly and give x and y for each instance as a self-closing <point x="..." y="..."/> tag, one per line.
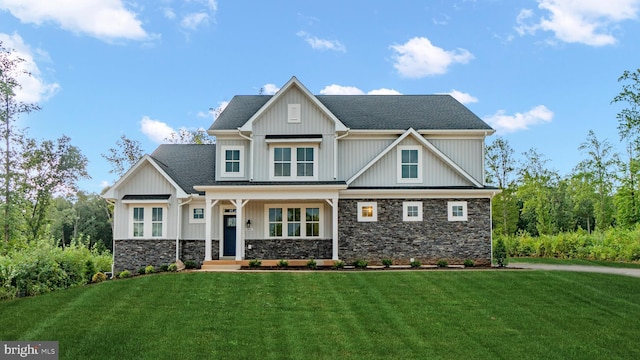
<point x="104" y="184"/>
<point x="352" y="90"/>
<point x="520" y="121"/>
<point x="270" y="89"/>
<point x="169" y="13"/>
<point x="102" y="19"/>
<point x="321" y="44"/>
<point x="155" y="130"/>
<point x="214" y="113"/>
<point x="463" y="97"/>
<point x="418" y="58"/>
<point x="192" y="21"/>
<point x="589" y="22"/>
<point x="33" y="88"/>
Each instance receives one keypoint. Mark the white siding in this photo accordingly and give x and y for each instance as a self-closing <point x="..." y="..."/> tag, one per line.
<point x="220" y="144"/>
<point x="467" y="153"/>
<point x="354" y="154"/>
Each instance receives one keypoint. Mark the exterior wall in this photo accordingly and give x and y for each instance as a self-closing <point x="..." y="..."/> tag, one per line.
<point x="255" y="211"/>
<point x="468" y="153"/>
<point x="355" y="153"/>
<point x="288" y="249"/>
<point x="134" y="254"/>
<point x="427" y="241"/>
<point x="221" y="142"/>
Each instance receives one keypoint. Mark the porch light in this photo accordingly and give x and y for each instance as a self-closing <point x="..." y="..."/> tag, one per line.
<point x="248" y="224"/>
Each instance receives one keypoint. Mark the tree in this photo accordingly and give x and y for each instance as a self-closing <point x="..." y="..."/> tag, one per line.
<point x="536" y="192"/>
<point x="184" y="136"/>
<point x="49" y="168"/>
<point x="10" y="110"/>
<point x="501" y="166"/>
<point x="629" y="117"/>
<point x="626" y="198"/>
<point x="124" y="155"/>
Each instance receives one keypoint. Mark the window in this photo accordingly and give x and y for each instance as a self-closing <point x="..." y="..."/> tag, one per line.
<point x="367" y="211"/>
<point x="232" y="161"/>
<point x="144" y="226"/>
<point x="409" y="164"/>
<point x="412" y="211"/>
<point x="196" y="214"/>
<point x="138" y="222"/>
<point x="299" y="222"/>
<point x="457" y="210"/>
<point x="294" y="162"/>
<point x="293" y="113"/>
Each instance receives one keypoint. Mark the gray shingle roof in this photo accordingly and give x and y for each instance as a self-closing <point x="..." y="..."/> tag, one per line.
<point x="188" y="165"/>
<point x="371" y="112"/>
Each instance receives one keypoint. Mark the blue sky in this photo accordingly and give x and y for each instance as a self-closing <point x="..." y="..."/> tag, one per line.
<point x="541" y="72"/>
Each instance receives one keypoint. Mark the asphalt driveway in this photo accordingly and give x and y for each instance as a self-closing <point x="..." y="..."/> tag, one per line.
<point x="578" y="268"/>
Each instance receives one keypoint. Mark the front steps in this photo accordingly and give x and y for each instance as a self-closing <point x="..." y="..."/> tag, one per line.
<point x="231" y="265"/>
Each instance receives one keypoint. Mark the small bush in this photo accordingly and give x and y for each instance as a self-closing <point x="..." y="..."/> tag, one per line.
<point x="387" y="262"/>
<point x="442" y="263"/>
<point x="141" y="271"/>
<point x="172" y="267"/>
<point x="98" y="277"/>
<point x="500" y="253"/>
<point x="311" y="264"/>
<point x="338" y="264"/>
<point x="255" y="263"/>
<point x="415" y="264"/>
<point x="124" y="274"/>
<point x="164" y="267"/>
<point x="468" y="263"/>
<point x="361" y="264"/>
<point x="149" y="269"/>
<point x="283" y="263"/>
<point x="190" y="264"/>
<point x="89" y="270"/>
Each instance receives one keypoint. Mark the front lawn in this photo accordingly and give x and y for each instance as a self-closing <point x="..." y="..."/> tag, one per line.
<point x="451" y="314"/>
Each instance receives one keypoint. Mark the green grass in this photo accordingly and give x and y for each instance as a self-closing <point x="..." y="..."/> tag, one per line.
<point x="478" y="314"/>
<point x="556" y="261"/>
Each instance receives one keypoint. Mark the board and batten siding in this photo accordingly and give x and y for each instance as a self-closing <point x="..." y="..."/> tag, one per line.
<point x="221" y="142"/>
<point x="354" y="154"/>
<point x="147" y="181"/>
<point x="467" y="153"/>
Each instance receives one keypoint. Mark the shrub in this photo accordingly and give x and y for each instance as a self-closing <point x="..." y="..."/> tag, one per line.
<point x="124" y="274"/>
<point x="311" y="264"/>
<point x="190" y="264"/>
<point x="468" y="263"/>
<point x="141" y="271"/>
<point x="338" y="264"/>
<point x="415" y="264"/>
<point x="500" y="253"/>
<point x="98" y="277"/>
<point x="172" y="267"/>
<point x="361" y="264"/>
<point x="164" y="267"/>
<point x="149" y="269"/>
<point x="283" y="263"/>
<point x="255" y="263"/>
<point x="442" y="263"/>
<point x="89" y="271"/>
<point x="387" y="262"/>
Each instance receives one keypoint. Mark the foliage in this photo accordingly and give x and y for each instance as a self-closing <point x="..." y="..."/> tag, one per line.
<point x="149" y="269"/>
<point x="124" y="274"/>
<point x="500" y="253"/>
<point x="415" y="264"/>
<point x="255" y="263"/>
<point x="164" y="267"/>
<point x="442" y="263"/>
<point x="338" y="264"/>
<point x="282" y="263"/>
<point x="124" y="155"/>
<point x="360" y="264"/>
<point x="387" y="262"/>
<point x="468" y="263"/>
<point x="190" y="264"/>
<point x="98" y="277"/>
<point x="185" y="136"/>
<point x="172" y="267"/>
<point x="311" y="264"/>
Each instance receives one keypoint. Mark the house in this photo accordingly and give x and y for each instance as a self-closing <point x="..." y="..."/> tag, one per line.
<point x="300" y="176"/>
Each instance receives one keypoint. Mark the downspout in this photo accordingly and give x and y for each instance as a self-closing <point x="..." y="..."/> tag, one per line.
<point x="113" y="239"/>
<point x="250" y="138"/>
<point x="178" y="225"/>
<point x="335" y="154"/>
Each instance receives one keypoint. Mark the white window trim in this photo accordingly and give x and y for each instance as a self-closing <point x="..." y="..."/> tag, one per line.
<point x="193" y="220"/>
<point x="294" y="161"/>
<point x="450" y="206"/>
<point x="223" y="161"/>
<point x="148" y="215"/>
<point x="293" y="113"/>
<point x="402" y="180"/>
<point x="303" y="220"/>
<point x="375" y="211"/>
<point x="405" y="211"/>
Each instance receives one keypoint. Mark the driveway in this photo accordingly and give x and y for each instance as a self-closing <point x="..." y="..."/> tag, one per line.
<point x="578" y="268"/>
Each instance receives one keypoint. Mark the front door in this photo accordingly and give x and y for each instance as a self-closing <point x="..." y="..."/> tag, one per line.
<point x="229" y="235"/>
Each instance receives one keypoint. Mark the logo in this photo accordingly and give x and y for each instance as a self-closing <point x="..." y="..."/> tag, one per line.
<point x="43" y="350"/>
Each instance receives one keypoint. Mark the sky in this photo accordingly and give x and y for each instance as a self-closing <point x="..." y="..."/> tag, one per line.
<point x="541" y="72"/>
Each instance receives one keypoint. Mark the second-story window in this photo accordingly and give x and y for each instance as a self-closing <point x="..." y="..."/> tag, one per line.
<point x="409" y="164"/>
<point x="294" y="163"/>
<point x="232" y="161"/>
<point x="305" y="161"/>
<point x="282" y="161"/>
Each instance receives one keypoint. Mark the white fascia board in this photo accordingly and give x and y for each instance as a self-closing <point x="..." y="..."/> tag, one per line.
<point x="419" y="193"/>
<point x="460" y="132"/>
<point x="248" y="126"/>
<point x="110" y="194"/>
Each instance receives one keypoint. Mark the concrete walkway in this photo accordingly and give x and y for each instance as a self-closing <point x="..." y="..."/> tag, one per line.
<point x="578" y="268"/>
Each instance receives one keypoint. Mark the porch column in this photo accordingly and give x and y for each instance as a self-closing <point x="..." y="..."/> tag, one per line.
<point x="208" y="204"/>
<point x="239" y="227"/>
<point x="334" y="235"/>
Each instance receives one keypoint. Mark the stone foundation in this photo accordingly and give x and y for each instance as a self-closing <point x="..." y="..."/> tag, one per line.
<point x="133" y="254"/>
<point x="288" y="249"/>
<point x="427" y="241"/>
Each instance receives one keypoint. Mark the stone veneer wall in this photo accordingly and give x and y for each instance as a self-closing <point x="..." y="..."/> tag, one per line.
<point x="132" y="254"/>
<point x="288" y="249"/>
<point x="427" y="241"/>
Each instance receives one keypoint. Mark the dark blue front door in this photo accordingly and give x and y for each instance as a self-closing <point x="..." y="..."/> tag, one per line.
<point x="229" y="235"/>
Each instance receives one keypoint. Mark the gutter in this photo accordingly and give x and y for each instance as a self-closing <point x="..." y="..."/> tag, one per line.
<point x="179" y="223"/>
<point x="250" y="138"/>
